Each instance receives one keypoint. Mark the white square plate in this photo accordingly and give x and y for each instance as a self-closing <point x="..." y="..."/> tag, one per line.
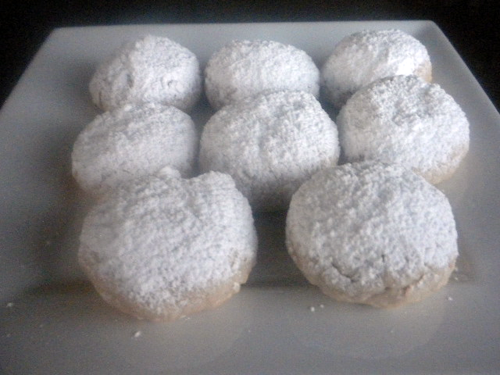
<point x="53" y="323"/>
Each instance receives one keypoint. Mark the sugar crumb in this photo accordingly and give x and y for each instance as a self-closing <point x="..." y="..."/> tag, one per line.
<point x="137" y="334"/>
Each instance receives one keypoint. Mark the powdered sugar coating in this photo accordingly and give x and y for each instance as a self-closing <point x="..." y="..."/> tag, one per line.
<point x="160" y="248"/>
<point x="150" y="69"/>
<point x="372" y="233"/>
<point x="364" y="57"/>
<point x="244" y="68"/>
<point x="133" y="141"/>
<point x="408" y="121"/>
<point x="270" y="144"/>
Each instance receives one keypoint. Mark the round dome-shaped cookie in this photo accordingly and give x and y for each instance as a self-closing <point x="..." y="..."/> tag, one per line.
<point x="160" y="248"/>
<point x="270" y="144"/>
<point x="366" y="56"/>
<point x="408" y="121"/>
<point x="244" y="68"/>
<point x="133" y="141"/>
<point x="372" y="233"/>
<point x="150" y="69"/>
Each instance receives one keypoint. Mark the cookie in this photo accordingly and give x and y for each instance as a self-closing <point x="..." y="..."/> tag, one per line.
<point x="150" y="69"/>
<point x="244" y="68"/>
<point x="372" y="233"/>
<point x="270" y="144"/>
<point x="364" y="57"/>
<point x="408" y="121"/>
<point x="160" y="248"/>
<point x="131" y="142"/>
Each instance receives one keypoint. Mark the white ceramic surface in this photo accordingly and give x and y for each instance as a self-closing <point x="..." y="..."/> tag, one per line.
<point x="52" y="322"/>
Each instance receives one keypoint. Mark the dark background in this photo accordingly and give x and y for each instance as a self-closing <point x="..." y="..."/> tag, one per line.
<point x="472" y="26"/>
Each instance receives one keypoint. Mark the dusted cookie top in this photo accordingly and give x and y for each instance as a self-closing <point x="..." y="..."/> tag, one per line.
<point x="270" y="144"/>
<point x="244" y="68"/>
<point x="364" y="57"/>
<point x="151" y="69"/>
<point x="131" y="142"/>
<point x="372" y="233"/>
<point x="408" y="121"/>
<point x="160" y="248"/>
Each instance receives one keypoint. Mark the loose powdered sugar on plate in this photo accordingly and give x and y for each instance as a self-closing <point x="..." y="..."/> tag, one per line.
<point x="268" y="323"/>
